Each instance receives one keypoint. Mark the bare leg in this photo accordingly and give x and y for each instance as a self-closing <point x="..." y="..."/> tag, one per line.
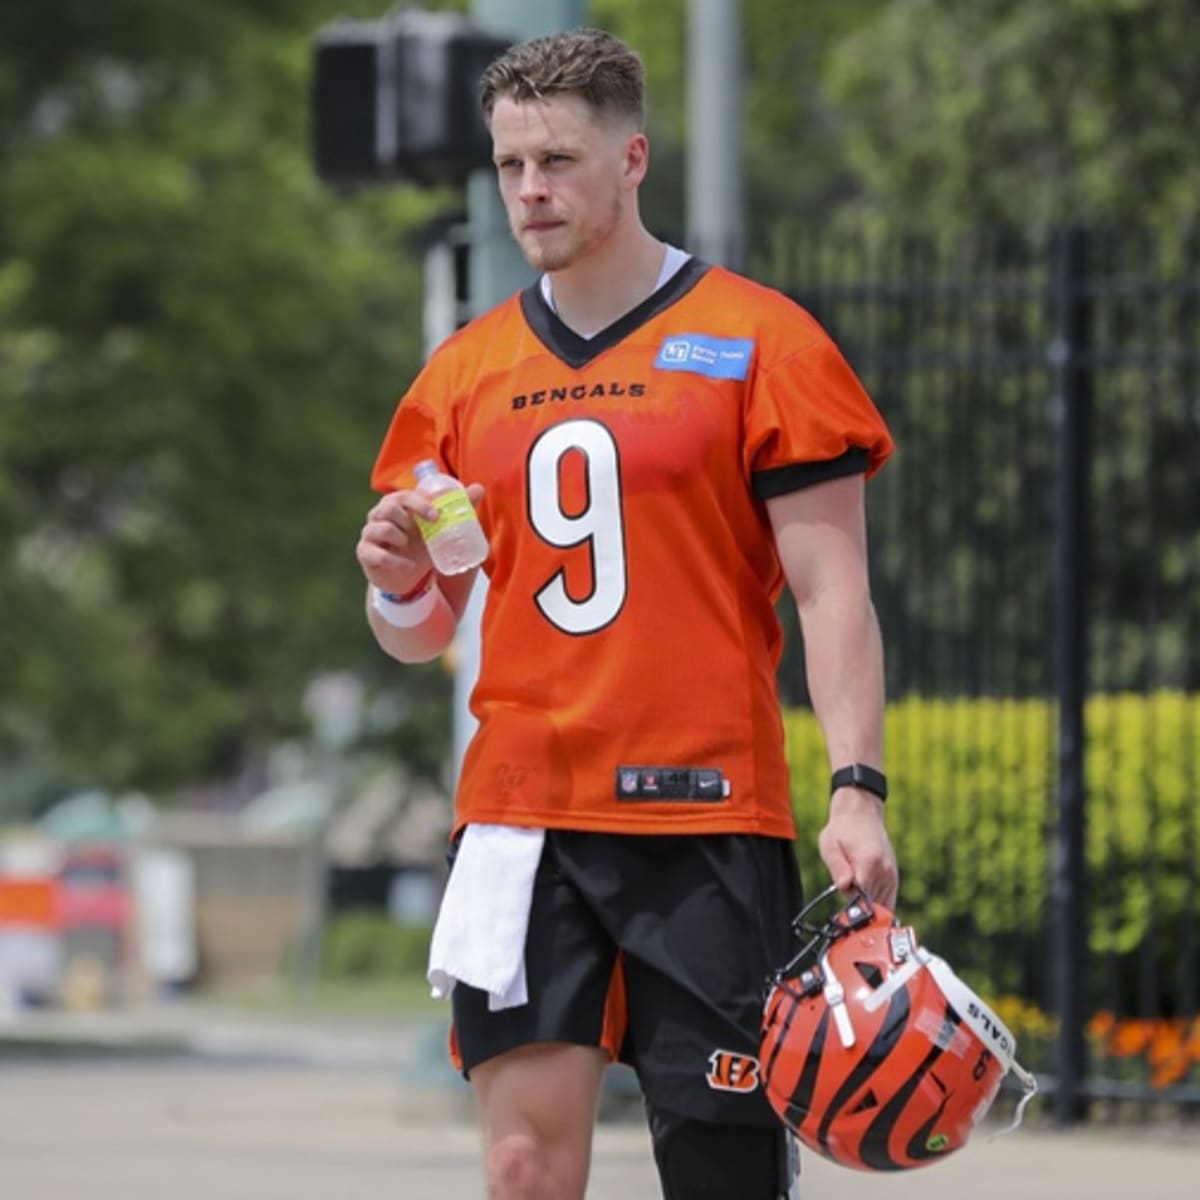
<point x="538" y="1105"/>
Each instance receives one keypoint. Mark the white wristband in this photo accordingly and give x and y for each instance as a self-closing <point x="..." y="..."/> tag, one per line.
<point x="407" y="614"/>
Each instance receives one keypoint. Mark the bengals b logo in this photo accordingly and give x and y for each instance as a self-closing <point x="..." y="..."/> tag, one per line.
<point x="730" y="1072"/>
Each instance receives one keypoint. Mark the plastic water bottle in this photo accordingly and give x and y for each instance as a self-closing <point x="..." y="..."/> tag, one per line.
<point x="456" y="540"/>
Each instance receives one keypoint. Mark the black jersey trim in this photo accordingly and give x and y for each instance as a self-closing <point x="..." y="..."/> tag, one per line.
<point x="779" y="481"/>
<point x="564" y="343"/>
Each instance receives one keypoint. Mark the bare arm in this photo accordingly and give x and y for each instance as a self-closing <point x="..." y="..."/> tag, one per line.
<point x="821" y="535"/>
<point x="394" y="559"/>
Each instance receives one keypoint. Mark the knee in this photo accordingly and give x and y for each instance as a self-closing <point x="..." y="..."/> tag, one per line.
<point x="517" y="1168"/>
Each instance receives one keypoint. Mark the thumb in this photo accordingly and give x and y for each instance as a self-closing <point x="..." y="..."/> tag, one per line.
<point x="476" y="492"/>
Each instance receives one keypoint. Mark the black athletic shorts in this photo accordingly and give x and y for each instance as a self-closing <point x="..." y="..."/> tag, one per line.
<point x="699" y="920"/>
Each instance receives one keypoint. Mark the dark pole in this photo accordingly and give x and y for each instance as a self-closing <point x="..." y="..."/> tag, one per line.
<point x="1069" y="358"/>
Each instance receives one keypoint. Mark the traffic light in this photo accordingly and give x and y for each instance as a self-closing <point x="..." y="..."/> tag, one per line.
<point x="397" y="98"/>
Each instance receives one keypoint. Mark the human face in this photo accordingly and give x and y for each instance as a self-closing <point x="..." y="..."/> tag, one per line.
<point x="567" y="176"/>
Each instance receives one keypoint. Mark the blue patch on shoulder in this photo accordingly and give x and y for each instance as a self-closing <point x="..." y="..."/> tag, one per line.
<point x="718" y="358"/>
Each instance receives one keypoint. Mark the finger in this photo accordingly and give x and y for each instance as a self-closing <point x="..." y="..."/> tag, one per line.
<point x="880" y="885"/>
<point x="399" y="507"/>
<point x="388" y="533"/>
<point x="386" y="509"/>
<point x="375" y="558"/>
<point x="476" y="491"/>
<point x="841" y="871"/>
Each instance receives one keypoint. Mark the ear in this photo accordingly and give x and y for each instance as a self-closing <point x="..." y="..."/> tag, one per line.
<point x="637" y="159"/>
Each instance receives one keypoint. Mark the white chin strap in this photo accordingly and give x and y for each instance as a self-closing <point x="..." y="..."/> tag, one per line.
<point x="835" y="997"/>
<point x="894" y="982"/>
<point x="1029" y="1082"/>
<point x="986" y="1026"/>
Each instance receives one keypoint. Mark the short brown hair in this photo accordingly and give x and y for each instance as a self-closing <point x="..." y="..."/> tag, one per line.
<point x="588" y="63"/>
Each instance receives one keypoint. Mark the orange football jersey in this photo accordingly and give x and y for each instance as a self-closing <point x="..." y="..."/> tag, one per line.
<point x="629" y="637"/>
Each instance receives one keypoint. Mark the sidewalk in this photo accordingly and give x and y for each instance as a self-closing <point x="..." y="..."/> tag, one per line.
<point x="212" y="1031"/>
<point x="200" y="1102"/>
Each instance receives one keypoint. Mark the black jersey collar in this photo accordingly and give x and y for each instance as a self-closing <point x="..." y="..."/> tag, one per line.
<point x="577" y="351"/>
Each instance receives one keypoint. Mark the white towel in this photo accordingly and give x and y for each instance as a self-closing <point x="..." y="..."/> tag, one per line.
<point x="479" y="937"/>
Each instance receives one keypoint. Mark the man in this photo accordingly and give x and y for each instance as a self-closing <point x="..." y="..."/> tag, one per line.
<point x="654" y="446"/>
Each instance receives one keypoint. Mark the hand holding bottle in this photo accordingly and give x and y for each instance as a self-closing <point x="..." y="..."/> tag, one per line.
<point x="391" y="551"/>
<point x="453" y="536"/>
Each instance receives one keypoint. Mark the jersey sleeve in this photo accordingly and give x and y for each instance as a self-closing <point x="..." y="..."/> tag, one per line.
<point x="809" y="419"/>
<point x="420" y="428"/>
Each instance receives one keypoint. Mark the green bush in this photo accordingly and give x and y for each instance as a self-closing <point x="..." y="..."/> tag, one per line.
<point x="972" y="817"/>
<point x="369" y="944"/>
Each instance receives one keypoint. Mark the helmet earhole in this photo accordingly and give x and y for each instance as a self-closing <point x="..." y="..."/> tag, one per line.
<point x="870" y="972"/>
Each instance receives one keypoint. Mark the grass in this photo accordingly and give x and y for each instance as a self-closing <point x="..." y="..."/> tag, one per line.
<point x="406" y="996"/>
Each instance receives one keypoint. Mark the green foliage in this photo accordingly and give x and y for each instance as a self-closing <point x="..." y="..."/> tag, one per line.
<point x="1143" y="815"/>
<point x="958" y="114"/>
<point x="200" y="349"/>
<point x="200" y="346"/>
<point x="971" y="818"/>
<point x="366" y="944"/>
<point x="944" y="114"/>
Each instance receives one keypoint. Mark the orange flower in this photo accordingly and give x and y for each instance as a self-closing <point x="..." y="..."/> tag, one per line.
<point x="1131" y="1038"/>
<point x="1170" y="1047"/>
<point x="1167" y="1043"/>
<point x="1169" y="1072"/>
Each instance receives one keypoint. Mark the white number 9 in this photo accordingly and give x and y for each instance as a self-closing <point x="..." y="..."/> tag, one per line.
<point x="600" y="524"/>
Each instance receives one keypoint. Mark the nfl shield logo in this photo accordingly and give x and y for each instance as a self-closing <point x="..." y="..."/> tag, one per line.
<point x="629" y="782"/>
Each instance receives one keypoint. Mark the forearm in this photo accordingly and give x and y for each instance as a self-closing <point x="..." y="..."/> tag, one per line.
<point x="424" y="640"/>
<point x="844" y="659"/>
<point x="822" y="543"/>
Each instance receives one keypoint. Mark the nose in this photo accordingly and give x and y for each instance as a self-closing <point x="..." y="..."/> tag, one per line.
<point x="533" y="184"/>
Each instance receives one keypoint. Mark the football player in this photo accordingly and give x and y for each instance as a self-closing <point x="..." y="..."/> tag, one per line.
<point x="656" y="447"/>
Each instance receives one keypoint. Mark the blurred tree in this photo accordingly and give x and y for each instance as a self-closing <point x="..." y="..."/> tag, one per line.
<point x="954" y="114"/>
<point x="941" y="113"/>
<point x="200" y="348"/>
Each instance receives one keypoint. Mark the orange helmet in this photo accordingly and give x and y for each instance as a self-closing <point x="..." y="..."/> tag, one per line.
<point x="874" y="1053"/>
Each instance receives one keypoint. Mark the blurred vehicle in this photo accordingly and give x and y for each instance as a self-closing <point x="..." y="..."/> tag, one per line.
<point x="65" y="923"/>
<point x="31" y="946"/>
<point x="95" y="910"/>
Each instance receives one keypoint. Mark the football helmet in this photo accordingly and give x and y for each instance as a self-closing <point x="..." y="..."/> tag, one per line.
<point x="874" y="1053"/>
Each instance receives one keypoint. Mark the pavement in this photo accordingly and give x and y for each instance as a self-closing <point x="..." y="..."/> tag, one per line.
<point x="197" y="1102"/>
<point x="217" y="1032"/>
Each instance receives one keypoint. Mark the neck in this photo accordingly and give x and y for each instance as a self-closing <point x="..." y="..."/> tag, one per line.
<point x="602" y="287"/>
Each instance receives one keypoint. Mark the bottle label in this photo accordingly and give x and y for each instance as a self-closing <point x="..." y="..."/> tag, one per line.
<point x="454" y="508"/>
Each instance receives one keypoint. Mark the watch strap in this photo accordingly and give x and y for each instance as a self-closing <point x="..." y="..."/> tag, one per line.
<point x="859" y="775"/>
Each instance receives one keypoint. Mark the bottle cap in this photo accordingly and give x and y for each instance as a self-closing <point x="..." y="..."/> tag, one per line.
<point x="425" y="467"/>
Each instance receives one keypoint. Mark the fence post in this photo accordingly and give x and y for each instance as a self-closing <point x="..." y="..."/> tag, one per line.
<point x="1070" y="362"/>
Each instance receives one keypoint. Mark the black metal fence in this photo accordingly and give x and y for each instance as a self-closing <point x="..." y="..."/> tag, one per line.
<point x="1036" y="563"/>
